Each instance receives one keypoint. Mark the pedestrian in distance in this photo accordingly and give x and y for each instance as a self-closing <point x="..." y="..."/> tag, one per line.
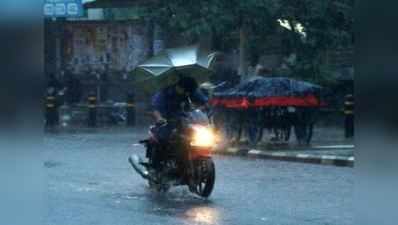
<point x="51" y="113"/>
<point x="349" y="116"/>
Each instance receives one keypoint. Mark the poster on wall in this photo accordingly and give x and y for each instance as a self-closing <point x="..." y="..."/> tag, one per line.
<point x="100" y="46"/>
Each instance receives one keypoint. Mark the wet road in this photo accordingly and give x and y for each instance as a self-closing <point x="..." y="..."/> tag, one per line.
<point x="90" y="182"/>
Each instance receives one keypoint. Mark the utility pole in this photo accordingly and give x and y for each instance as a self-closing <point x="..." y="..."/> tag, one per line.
<point x="243" y="53"/>
<point x="49" y="45"/>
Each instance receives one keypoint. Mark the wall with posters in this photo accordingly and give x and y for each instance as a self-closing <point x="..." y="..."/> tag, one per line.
<point x="105" y="46"/>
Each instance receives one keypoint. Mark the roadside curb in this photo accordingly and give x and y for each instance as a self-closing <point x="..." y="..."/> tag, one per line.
<point x="321" y="147"/>
<point x="292" y="157"/>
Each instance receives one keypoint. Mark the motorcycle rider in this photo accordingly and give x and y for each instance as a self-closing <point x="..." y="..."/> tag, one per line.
<point x="168" y="107"/>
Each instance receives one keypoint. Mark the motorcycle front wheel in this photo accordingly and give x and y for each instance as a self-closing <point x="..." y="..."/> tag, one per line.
<point x="161" y="188"/>
<point x="205" y="175"/>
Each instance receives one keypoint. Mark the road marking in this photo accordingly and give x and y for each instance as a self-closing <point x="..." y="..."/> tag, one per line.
<point x="232" y="150"/>
<point x="334" y="146"/>
<point x="328" y="157"/>
<point x="255" y="152"/>
<point x="302" y="156"/>
<point x="280" y="154"/>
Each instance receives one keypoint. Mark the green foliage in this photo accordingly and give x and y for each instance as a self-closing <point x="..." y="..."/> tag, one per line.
<point x="217" y="17"/>
<point x="324" y="25"/>
<point x="137" y="13"/>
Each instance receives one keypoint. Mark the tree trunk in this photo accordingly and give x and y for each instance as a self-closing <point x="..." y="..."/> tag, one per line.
<point x="50" y="46"/>
<point x="150" y="36"/>
<point x="216" y="41"/>
<point x="158" y="39"/>
<point x="243" y="52"/>
<point x="206" y="41"/>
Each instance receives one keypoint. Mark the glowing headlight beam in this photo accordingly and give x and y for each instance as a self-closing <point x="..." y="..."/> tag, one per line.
<point x="203" y="137"/>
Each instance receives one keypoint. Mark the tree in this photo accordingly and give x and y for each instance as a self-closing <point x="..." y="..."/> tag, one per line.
<point x="315" y="26"/>
<point x="325" y="27"/>
<point x="220" y="19"/>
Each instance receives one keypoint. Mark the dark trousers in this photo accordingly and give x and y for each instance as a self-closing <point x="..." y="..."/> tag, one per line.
<point x="163" y="132"/>
<point x="349" y="126"/>
<point x="52" y="118"/>
<point x="252" y="132"/>
<point x="158" y="152"/>
<point x="92" y="117"/>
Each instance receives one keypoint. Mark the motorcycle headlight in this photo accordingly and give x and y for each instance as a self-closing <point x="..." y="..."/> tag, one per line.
<point x="203" y="136"/>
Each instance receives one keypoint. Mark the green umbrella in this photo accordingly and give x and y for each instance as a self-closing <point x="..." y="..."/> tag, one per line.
<point x="165" y="68"/>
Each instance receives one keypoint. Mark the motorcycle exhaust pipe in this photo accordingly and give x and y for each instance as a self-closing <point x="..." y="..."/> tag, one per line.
<point x="134" y="160"/>
<point x="135" y="163"/>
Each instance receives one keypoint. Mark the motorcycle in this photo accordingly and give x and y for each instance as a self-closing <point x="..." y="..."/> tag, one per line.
<point x="118" y="113"/>
<point x="184" y="160"/>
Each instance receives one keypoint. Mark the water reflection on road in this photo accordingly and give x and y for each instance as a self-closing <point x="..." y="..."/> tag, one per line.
<point x="91" y="182"/>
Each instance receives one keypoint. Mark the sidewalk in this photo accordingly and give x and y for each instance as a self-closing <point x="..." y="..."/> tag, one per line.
<point x="336" y="157"/>
<point x="330" y="148"/>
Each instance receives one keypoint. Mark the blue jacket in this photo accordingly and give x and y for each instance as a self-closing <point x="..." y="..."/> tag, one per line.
<point x="170" y="104"/>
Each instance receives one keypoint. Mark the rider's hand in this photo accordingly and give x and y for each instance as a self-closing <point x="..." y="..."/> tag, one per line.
<point x="161" y="121"/>
<point x="204" y="107"/>
<point x="158" y="117"/>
